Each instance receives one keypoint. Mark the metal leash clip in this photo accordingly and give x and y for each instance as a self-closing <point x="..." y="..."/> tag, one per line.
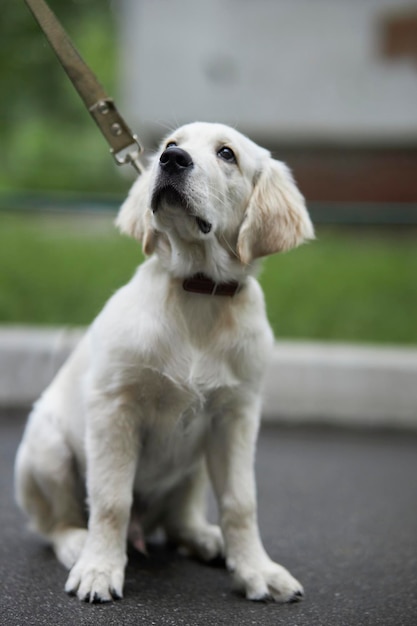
<point x="130" y="155"/>
<point x="125" y="146"/>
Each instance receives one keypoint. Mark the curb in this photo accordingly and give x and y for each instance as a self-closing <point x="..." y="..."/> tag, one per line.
<point x="342" y="385"/>
<point x="307" y="382"/>
<point x="29" y="359"/>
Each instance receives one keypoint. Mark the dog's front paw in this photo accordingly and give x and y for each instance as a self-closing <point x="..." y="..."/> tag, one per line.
<point x="268" y="582"/>
<point x="96" y="579"/>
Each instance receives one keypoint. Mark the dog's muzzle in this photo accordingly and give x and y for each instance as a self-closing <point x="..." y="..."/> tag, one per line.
<point x="174" y="166"/>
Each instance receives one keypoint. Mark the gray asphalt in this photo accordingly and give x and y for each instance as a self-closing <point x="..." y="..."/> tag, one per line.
<point x="338" y="508"/>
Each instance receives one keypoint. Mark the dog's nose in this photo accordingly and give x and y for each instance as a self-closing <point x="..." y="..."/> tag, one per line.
<point x="174" y="160"/>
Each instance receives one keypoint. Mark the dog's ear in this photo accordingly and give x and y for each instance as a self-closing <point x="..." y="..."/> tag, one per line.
<point x="276" y="218"/>
<point x="134" y="217"/>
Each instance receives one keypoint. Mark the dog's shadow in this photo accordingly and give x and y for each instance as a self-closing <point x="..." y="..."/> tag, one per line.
<point x="165" y="571"/>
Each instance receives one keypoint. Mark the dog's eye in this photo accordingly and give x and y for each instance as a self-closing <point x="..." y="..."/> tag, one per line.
<point x="170" y="144"/>
<point x="226" y="154"/>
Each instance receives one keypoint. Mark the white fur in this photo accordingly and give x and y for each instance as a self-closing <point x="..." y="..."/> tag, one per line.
<point x="166" y="382"/>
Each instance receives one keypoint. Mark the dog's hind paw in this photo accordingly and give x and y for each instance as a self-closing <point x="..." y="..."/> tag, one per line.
<point x="68" y="544"/>
<point x="208" y="543"/>
<point x="204" y="541"/>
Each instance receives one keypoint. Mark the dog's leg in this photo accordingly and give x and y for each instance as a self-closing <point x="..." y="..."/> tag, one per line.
<point x="112" y="451"/>
<point x="48" y="488"/>
<point x="231" y="451"/>
<point x="185" y="521"/>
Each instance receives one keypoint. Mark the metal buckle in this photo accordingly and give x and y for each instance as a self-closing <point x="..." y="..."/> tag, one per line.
<point x="129" y="155"/>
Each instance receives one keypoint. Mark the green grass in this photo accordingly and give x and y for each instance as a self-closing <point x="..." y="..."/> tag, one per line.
<point x="60" y="270"/>
<point x="349" y="285"/>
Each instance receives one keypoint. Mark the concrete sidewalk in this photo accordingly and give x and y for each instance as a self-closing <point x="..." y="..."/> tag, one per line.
<point x="306" y="382"/>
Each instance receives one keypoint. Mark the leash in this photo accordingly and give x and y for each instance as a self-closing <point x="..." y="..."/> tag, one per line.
<point x="124" y="145"/>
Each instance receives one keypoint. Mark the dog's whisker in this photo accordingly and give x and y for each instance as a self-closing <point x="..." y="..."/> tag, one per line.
<point x="170" y="128"/>
<point x="229" y="246"/>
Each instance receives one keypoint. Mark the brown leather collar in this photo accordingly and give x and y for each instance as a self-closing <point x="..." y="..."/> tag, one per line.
<point x="200" y="283"/>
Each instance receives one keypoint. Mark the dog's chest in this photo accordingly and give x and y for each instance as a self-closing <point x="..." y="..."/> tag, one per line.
<point x="181" y="400"/>
<point x="169" y="451"/>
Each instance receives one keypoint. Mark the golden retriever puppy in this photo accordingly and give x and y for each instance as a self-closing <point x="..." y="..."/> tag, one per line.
<point x="166" y="385"/>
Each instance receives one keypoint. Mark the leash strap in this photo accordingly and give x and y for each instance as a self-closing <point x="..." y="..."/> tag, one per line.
<point x="124" y="145"/>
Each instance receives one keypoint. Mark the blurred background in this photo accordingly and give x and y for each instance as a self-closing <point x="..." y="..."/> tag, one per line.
<point x="328" y="86"/>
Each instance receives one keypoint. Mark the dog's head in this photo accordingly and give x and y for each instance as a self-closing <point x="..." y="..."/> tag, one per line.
<point x="210" y="185"/>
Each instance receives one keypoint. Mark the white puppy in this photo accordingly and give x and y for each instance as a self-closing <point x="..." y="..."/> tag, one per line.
<point x="167" y="381"/>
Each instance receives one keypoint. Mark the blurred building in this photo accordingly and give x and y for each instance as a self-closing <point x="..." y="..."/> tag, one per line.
<point x="328" y="85"/>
